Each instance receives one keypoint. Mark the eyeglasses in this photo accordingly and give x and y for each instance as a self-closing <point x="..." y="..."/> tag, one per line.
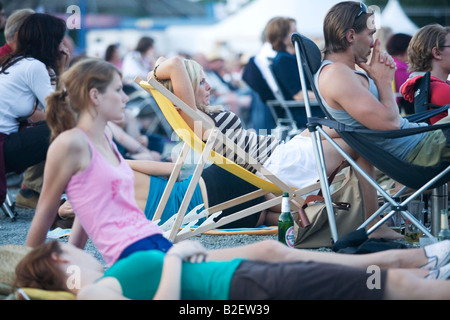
<point x="444" y="46"/>
<point x="364" y="9"/>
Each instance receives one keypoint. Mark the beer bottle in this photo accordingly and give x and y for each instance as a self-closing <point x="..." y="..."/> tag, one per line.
<point x="286" y="223"/>
<point x="444" y="233"/>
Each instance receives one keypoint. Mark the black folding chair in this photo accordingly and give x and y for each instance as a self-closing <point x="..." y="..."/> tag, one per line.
<point x="279" y="108"/>
<point x="411" y="176"/>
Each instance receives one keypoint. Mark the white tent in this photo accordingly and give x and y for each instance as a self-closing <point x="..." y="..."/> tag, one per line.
<point x="395" y="18"/>
<point x="242" y="30"/>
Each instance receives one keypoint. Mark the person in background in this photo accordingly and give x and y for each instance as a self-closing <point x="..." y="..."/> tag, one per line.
<point x="223" y="92"/>
<point x="263" y="59"/>
<point x="259" y="77"/>
<point x="140" y="61"/>
<point x="13" y="24"/>
<point x="112" y="55"/>
<point x="28" y="76"/>
<point x="285" y="68"/>
<point x="397" y="47"/>
<point x="429" y="51"/>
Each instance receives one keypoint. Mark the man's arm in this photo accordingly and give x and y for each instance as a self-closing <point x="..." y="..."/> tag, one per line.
<point x="343" y="89"/>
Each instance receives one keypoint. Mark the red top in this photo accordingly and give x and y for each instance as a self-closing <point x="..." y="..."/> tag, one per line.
<point x="6" y="49"/>
<point x="440" y="94"/>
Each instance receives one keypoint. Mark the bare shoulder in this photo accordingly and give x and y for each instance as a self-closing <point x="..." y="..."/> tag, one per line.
<point x="338" y="79"/>
<point x="70" y="141"/>
<point x="336" y="72"/>
<point x="71" y="148"/>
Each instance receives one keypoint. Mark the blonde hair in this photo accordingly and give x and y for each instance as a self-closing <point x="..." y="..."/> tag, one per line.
<point x="194" y="70"/>
<point x="420" y="49"/>
<point x="65" y="104"/>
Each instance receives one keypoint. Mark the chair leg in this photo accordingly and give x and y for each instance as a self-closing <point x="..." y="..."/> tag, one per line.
<point x="8" y="208"/>
<point x="439" y="201"/>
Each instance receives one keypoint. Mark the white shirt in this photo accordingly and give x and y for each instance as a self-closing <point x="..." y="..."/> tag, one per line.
<point x="25" y="81"/>
<point x="134" y="65"/>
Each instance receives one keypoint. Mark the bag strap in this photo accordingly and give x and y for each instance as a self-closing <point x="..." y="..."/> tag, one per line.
<point x="22" y="119"/>
<point x="319" y="197"/>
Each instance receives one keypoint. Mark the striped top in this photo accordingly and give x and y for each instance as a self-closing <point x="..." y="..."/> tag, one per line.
<point x="258" y="147"/>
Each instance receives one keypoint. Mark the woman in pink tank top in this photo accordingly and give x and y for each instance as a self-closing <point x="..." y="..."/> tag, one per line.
<point x="84" y="162"/>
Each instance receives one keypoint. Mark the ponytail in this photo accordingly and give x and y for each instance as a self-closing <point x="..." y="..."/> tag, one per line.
<point x="59" y="114"/>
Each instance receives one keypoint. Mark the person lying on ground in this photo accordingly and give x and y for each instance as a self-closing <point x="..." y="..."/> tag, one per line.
<point x="186" y="271"/>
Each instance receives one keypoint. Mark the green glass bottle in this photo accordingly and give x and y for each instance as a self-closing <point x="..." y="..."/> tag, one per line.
<point x="444" y="233"/>
<point x="286" y="223"/>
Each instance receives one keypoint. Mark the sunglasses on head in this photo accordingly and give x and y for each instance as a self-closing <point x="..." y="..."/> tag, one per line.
<point x="364" y="9"/>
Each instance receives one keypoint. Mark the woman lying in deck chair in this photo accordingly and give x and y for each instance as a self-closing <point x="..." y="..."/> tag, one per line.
<point x="293" y="162"/>
<point x="185" y="272"/>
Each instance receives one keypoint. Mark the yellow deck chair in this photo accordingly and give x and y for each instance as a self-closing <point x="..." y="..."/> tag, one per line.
<point x="167" y="101"/>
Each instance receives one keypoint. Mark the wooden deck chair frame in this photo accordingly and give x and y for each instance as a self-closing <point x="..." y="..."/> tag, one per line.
<point x="166" y="100"/>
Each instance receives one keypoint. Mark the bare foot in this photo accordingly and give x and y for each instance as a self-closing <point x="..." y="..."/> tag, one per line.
<point x="386" y="233"/>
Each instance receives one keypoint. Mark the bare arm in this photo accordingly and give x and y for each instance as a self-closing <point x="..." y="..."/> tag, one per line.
<point x="78" y="237"/>
<point x="63" y="161"/>
<point x="175" y="69"/>
<point x="344" y="90"/>
<point x="170" y="284"/>
<point x="133" y="146"/>
<point x="151" y="168"/>
<point x="169" y="287"/>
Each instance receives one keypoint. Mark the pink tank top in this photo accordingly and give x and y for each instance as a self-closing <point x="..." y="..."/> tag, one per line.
<point x="102" y="197"/>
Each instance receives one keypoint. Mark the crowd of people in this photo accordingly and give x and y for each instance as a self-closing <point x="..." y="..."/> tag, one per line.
<point x="65" y="123"/>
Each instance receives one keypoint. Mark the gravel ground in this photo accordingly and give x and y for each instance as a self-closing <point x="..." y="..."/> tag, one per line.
<point x="15" y="232"/>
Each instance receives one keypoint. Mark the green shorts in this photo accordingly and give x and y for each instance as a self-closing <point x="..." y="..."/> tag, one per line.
<point x="430" y="151"/>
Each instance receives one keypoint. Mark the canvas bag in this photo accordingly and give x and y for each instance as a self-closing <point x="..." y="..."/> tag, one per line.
<point x="349" y="211"/>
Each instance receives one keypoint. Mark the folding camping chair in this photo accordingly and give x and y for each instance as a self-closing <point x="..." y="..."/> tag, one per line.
<point x="290" y="105"/>
<point x="422" y="96"/>
<point x="279" y="108"/>
<point x="412" y="176"/>
<point x="166" y="101"/>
